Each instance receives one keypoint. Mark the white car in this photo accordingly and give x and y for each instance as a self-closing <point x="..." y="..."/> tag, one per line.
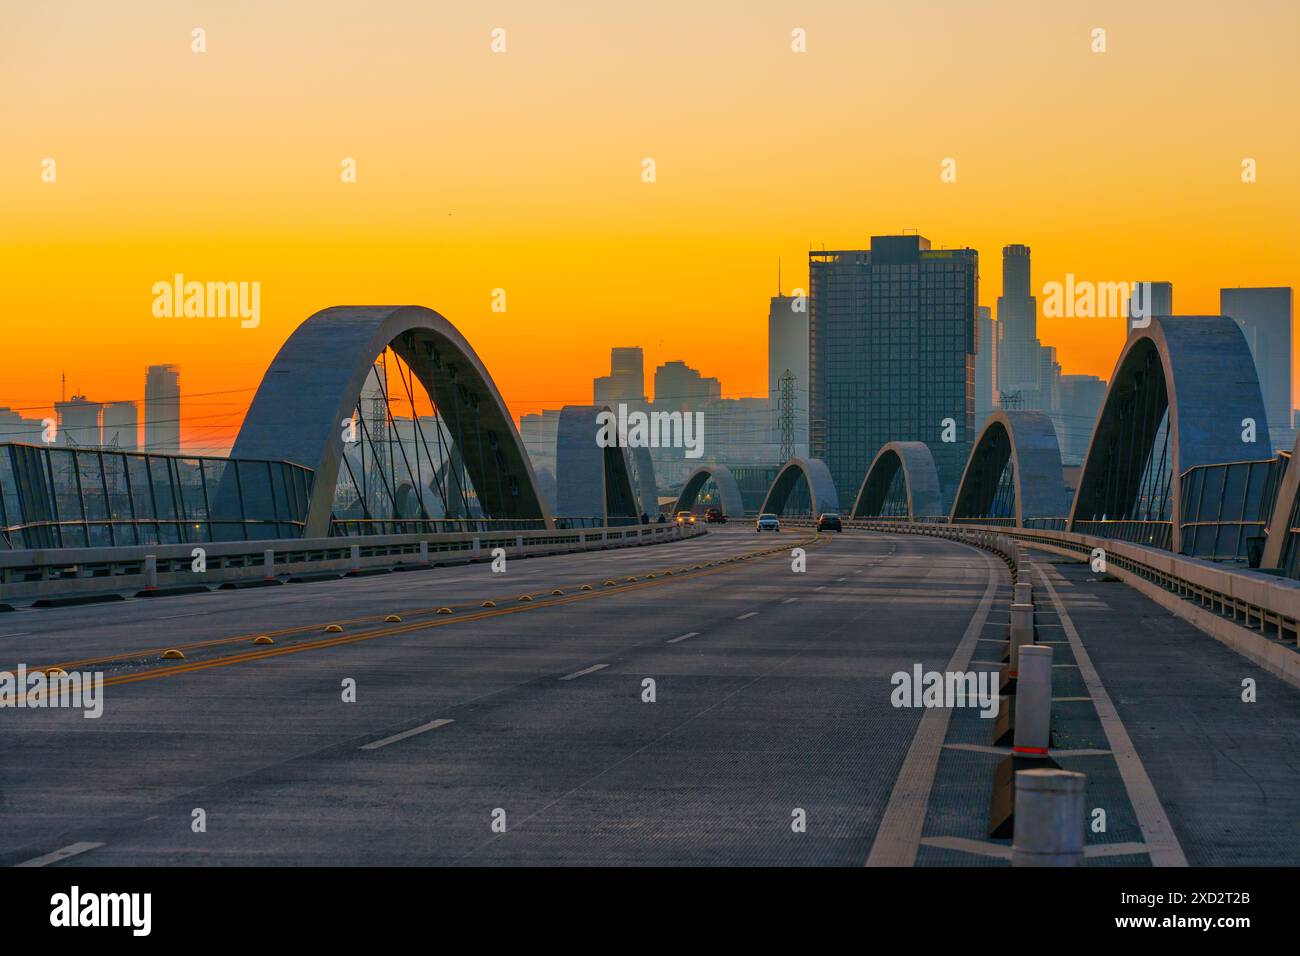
<point x="767" y="523"/>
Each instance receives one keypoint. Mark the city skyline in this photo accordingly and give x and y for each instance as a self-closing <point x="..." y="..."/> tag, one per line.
<point x="1142" y="176"/>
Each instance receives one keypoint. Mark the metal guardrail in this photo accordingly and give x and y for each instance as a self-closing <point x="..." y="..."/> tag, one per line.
<point x="37" y="574"/>
<point x="1264" y="603"/>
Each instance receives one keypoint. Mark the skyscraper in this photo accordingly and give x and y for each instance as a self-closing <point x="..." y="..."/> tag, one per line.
<point x="1018" y="363"/>
<point x="121" y="425"/>
<point x="162" y="409"/>
<point x="1264" y="315"/>
<point x="787" y="349"/>
<point x="891" y="354"/>
<point x="625" y="381"/>
<point x="986" y="367"/>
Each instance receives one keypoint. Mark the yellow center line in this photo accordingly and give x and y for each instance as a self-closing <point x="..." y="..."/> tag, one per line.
<point x="414" y="626"/>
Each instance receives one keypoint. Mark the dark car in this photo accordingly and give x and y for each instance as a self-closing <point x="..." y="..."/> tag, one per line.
<point x="829" y="522"/>
<point x="714" y="516"/>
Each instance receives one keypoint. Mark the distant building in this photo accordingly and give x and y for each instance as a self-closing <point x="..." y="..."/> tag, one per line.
<point x="162" y="409"/>
<point x="1026" y="376"/>
<point x="625" y="381"/>
<point x="78" y="423"/>
<point x="679" y="387"/>
<point x="538" y="434"/>
<point x="787" y="350"/>
<point x="1161" y="296"/>
<point x="1081" y="398"/>
<point x="1265" y="316"/>
<point x="986" y="366"/>
<point x="15" y="428"/>
<point x="121" y="426"/>
<point x="892" y="333"/>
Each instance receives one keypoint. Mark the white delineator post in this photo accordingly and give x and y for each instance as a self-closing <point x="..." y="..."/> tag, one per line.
<point x="356" y="557"/>
<point x="1022" y="632"/>
<point x="1050" y="818"/>
<point x="150" y="572"/>
<point x="268" y="565"/>
<point x="1033" y="701"/>
<point x="477" y="550"/>
<point x="1024" y="594"/>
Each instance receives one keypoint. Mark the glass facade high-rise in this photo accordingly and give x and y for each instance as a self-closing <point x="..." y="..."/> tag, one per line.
<point x="892" y="345"/>
<point x="162" y="409"/>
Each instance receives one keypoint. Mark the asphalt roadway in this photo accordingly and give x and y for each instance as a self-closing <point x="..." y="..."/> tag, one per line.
<point x="733" y="711"/>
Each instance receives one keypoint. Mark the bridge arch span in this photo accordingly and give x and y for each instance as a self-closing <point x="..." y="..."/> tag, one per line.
<point x="1179" y="396"/>
<point x="813" y="471"/>
<point x="591" y="481"/>
<point x="1013" y="471"/>
<point x="733" y="505"/>
<point x="315" y="382"/>
<point x="913" y="463"/>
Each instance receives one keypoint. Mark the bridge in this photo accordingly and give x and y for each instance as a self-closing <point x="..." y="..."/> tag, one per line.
<point x="372" y="636"/>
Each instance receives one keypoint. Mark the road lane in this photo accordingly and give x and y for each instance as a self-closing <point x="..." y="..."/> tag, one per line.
<point x="753" y="719"/>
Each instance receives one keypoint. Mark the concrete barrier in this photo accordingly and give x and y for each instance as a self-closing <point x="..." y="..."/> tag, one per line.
<point x="1033" y="701"/>
<point x="1050" y="818"/>
<point x="42" y="573"/>
<point x="1022" y="632"/>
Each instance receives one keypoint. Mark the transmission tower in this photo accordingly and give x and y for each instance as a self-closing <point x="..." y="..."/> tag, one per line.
<point x="785" y="421"/>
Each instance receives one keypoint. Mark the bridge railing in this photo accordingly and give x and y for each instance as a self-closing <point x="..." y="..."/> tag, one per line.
<point x="1254" y="612"/>
<point x="67" y="572"/>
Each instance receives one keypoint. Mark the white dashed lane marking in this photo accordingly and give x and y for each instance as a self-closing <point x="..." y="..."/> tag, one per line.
<point x="73" y="849"/>
<point x="586" y="670"/>
<point x="423" y="728"/>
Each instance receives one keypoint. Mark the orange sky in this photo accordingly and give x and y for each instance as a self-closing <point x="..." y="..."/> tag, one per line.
<point x="522" y="171"/>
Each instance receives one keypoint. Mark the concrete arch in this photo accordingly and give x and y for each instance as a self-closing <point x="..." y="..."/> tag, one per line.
<point x="1200" y="370"/>
<point x="732" y="503"/>
<point x="920" y="480"/>
<point x="1027" y="441"/>
<point x="591" y="481"/>
<point x="643" y="479"/>
<point x="317" y="376"/>
<point x="821" y="487"/>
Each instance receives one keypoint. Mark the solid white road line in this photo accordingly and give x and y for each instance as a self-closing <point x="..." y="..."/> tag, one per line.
<point x="683" y="637"/>
<point x="586" y="670"/>
<point x="743" y="616"/>
<point x="1156" y="828"/>
<point x="431" y="725"/>
<point x="72" y="849"/>
<point x="899" y="835"/>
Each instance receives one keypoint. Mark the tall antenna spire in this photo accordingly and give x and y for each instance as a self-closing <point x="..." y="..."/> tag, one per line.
<point x="778" y="276"/>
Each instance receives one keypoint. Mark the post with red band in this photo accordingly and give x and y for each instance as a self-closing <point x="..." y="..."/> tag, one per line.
<point x="1033" y="701"/>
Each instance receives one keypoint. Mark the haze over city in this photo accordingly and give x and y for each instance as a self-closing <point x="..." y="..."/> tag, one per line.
<point x="1113" y="166"/>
